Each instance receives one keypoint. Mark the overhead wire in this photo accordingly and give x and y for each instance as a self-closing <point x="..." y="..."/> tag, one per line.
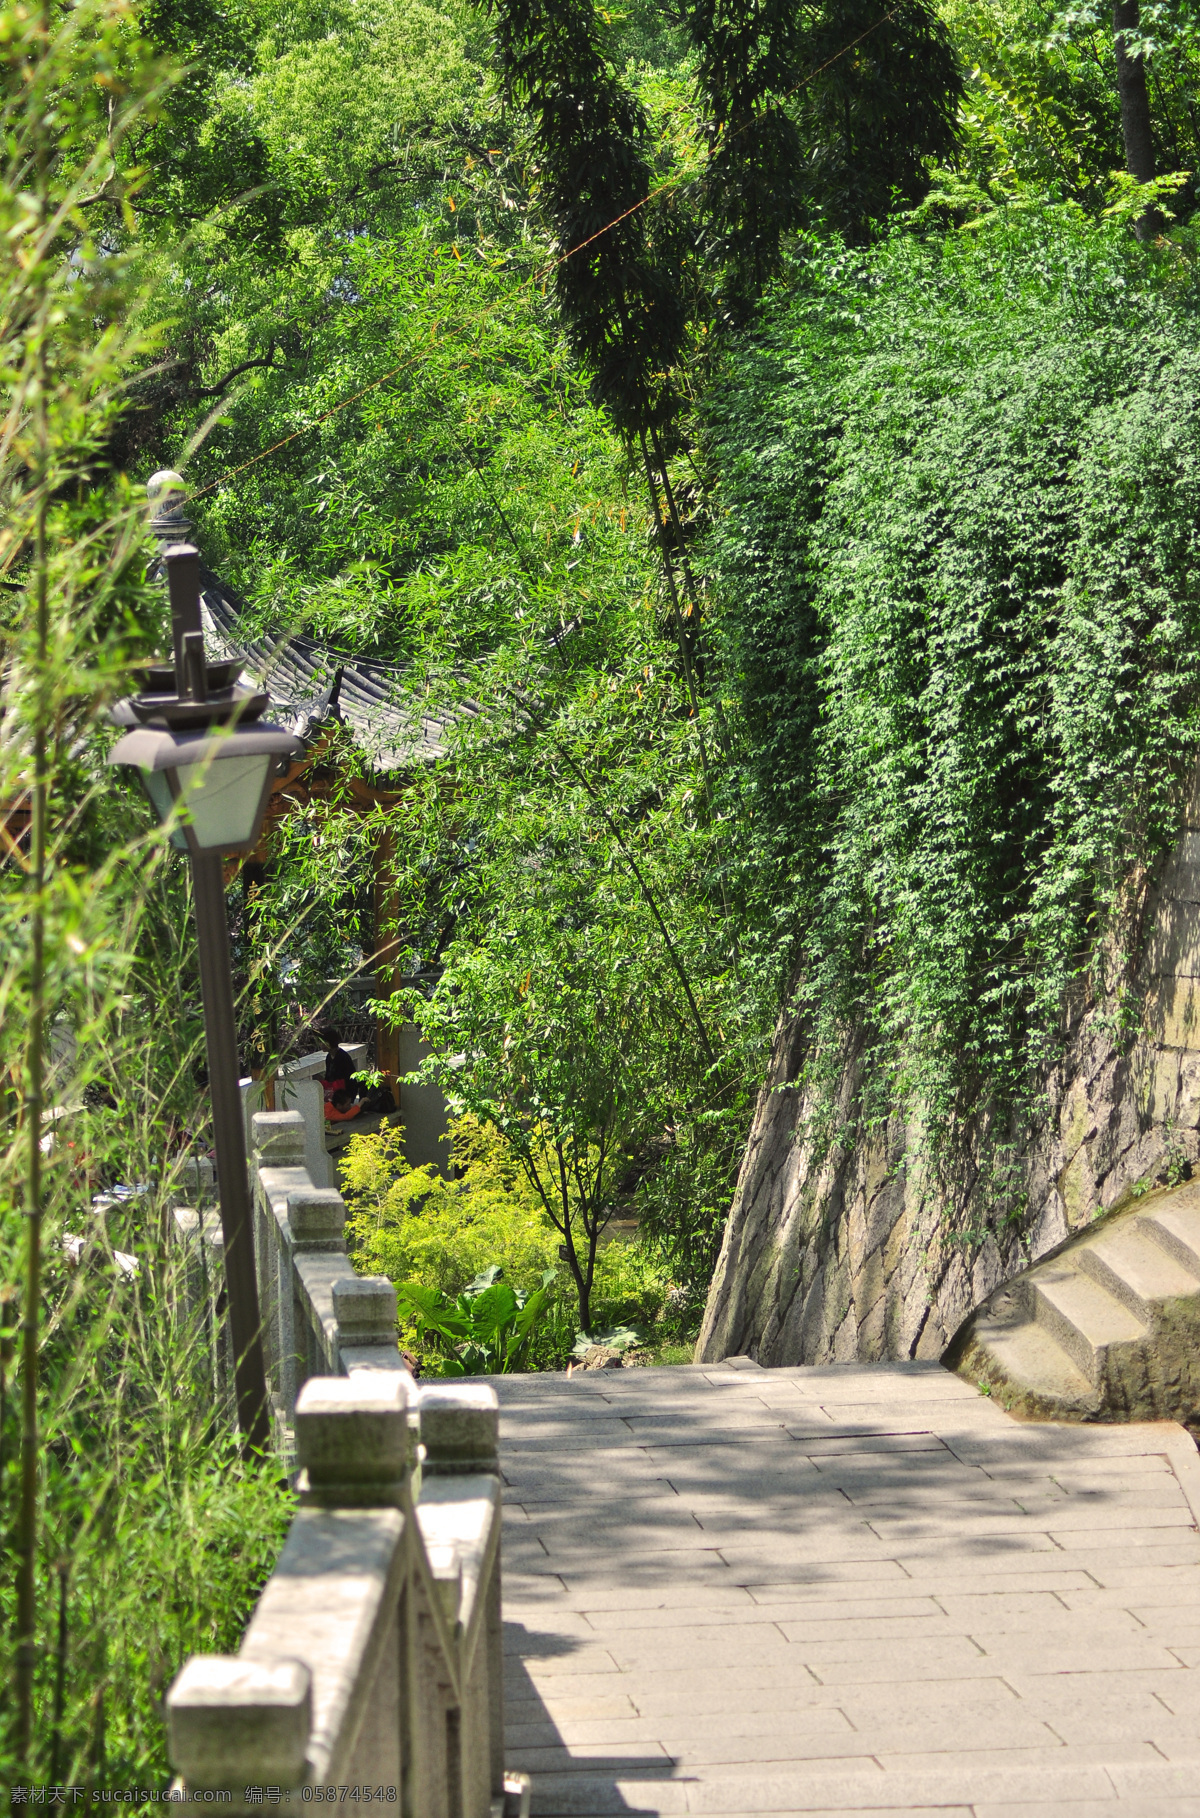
<point x="538" y="277"/>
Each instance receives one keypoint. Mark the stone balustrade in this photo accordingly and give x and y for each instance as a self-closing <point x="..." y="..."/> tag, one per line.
<point x="318" y="1317"/>
<point x="373" y="1660"/>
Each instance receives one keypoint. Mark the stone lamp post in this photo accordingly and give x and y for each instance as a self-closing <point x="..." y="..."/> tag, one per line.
<point x="206" y="759"/>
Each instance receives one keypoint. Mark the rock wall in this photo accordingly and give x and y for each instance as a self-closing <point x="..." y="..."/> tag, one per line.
<point x="856" y="1254"/>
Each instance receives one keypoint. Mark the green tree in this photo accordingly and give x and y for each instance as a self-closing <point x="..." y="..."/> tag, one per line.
<point x="825" y="113"/>
<point x="558" y="1018"/>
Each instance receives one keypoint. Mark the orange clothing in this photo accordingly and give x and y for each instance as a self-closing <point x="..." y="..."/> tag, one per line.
<point x="339" y="1117"/>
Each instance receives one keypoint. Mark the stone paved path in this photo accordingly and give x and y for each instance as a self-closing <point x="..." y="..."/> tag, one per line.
<point x="737" y="1591"/>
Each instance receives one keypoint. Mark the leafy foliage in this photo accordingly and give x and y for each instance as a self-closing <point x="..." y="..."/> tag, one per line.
<point x="579" y="970"/>
<point x="617" y="277"/>
<point x="115" y="1483"/>
<point x="156" y="1538"/>
<point x="444" y="1230"/>
<point x="1041" y="117"/>
<point x="959" y="562"/>
<point x="486" y="1329"/>
<point x="436" y="1237"/>
<point x="825" y="112"/>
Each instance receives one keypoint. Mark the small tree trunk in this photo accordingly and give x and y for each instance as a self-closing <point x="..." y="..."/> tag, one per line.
<point x="1135" y="109"/>
<point x="583" y="1284"/>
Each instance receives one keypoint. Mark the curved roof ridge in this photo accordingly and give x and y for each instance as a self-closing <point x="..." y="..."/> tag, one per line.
<point x="311" y="683"/>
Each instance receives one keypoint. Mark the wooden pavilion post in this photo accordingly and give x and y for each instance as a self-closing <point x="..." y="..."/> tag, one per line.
<point x="387" y="943"/>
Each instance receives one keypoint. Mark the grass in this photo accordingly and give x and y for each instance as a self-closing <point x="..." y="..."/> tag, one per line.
<point x="155" y="1537"/>
<point x="673" y="1353"/>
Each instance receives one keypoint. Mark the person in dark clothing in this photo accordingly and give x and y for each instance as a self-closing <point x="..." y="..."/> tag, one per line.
<point x="339" y="1068"/>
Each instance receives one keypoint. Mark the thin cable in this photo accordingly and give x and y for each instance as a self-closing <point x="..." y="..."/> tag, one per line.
<point x="539" y="277"/>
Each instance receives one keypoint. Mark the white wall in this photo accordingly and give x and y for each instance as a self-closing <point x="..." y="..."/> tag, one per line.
<point x="422" y="1108"/>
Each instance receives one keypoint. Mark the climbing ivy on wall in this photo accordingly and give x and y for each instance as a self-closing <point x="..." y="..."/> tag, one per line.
<point x="959" y="574"/>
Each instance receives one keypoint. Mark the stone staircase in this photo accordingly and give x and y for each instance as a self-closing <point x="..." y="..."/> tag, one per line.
<point x="1108" y="1328"/>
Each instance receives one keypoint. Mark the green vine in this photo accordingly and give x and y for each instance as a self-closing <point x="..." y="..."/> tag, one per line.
<point x="959" y="574"/>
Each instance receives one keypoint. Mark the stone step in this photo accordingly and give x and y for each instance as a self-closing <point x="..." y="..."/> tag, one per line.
<point x="1045" y="1381"/>
<point x="1082" y="1316"/>
<point x="1137" y="1271"/>
<point x="1118" y="1308"/>
<point x="1176" y="1226"/>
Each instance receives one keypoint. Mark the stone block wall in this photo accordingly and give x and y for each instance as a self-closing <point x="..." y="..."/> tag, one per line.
<point x="856" y="1253"/>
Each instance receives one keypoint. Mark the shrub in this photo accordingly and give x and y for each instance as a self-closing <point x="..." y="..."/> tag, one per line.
<point x="633" y="1287"/>
<point x="441" y="1236"/>
<point x="412" y="1224"/>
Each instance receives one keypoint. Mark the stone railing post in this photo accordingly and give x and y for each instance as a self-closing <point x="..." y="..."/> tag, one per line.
<point x="277" y="1144"/>
<point x="460" y="1429"/>
<point x="364" y="1307"/>
<point x="373" y="1658"/>
<point x="460" y="1434"/>
<point x="314" y="1696"/>
<point x="317" y="1216"/>
<point x="197" y="1181"/>
<point x="234" y="1725"/>
<point x="203" y="1243"/>
<point x="316" y="1219"/>
<point x="352" y="1440"/>
<point x="278" y="1138"/>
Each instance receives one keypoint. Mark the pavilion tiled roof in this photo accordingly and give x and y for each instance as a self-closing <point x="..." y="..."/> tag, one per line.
<point x="309" y="683"/>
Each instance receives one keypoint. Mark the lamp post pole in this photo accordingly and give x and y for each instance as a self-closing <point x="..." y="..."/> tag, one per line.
<point x="229" y="1136"/>
<point x="206" y="759"/>
<point x="220" y="1032"/>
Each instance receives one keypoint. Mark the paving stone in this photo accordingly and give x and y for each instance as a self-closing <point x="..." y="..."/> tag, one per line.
<point x="618" y="1707"/>
<point x="1146" y="1576"/>
<point x="877" y="1444"/>
<point x="1161" y="1779"/>
<point x="819" y="1725"/>
<point x="1100" y="1628"/>
<point x="710" y="1600"/>
<point x="1067" y="1522"/>
<point x="948" y="1783"/>
<point x="559" y="1759"/>
<point x="1038" y="1604"/>
<point x="1070" y="1695"/>
<point x="849" y="1611"/>
<point x="592" y="1796"/>
<point x="1062" y="1759"/>
<point x="863" y="1704"/>
<point x="910" y="1746"/>
<point x="879" y="1665"/>
<point x="552" y="1629"/>
<point x="846" y="1571"/>
<point x="1045" y="1573"/>
<point x="1102" y="1653"/>
<point x="1183" y="1540"/>
<point x="633" y="1514"/>
<point x="1093" y="1808"/>
<point x="1188" y="1807"/>
<point x="575" y="1662"/>
<point x="744" y="1644"/>
<point x="915" y="1604"/>
<point x="1171" y="1740"/>
<point x="874" y="1811"/>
